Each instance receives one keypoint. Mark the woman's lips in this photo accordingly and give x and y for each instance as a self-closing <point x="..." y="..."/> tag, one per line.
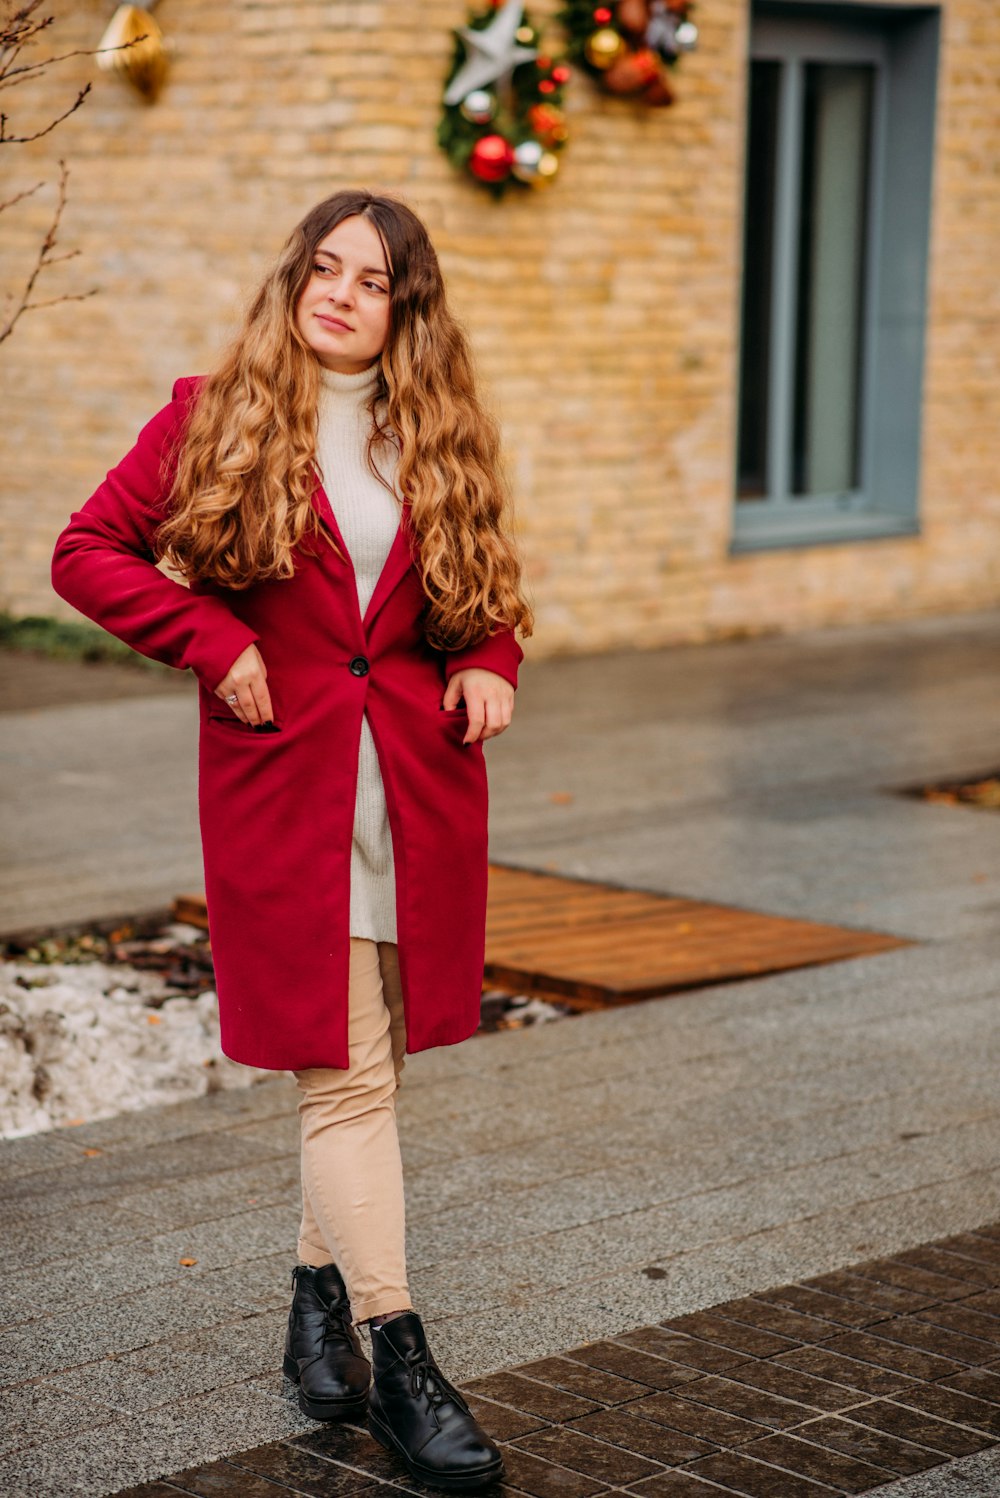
<point x="334" y="322"/>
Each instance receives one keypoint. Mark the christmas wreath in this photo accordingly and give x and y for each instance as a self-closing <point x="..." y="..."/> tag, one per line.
<point x="501" y="116"/>
<point x="630" y="45"/>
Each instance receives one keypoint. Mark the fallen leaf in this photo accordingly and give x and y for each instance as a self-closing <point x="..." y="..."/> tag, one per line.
<point x="91" y="1153"/>
<point x="187" y="1262"/>
<point x="154" y="1019"/>
<point x="561" y="798"/>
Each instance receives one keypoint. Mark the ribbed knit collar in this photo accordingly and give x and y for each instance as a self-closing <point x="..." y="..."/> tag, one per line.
<point x="356" y="387"/>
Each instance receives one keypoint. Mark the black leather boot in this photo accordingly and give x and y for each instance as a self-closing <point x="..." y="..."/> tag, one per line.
<point x="322" y="1352"/>
<point x="414" y="1411"/>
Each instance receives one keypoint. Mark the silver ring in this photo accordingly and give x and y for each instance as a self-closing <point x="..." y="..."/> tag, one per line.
<point x="232" y="698"/>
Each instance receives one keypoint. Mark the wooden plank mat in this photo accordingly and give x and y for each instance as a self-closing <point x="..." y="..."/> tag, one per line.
<point x="594" y="945"/>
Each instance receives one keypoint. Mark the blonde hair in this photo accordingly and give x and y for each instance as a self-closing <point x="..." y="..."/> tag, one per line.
<point x="241" y="500"/>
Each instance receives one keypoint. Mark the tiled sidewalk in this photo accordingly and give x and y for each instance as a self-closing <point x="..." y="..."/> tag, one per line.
<point x="835" y="1385"/>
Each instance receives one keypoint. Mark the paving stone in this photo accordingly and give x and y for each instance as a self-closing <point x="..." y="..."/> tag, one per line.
<point x="629" y="1362"/>
<point x="37" y="1412"/>
<point x="500" y="1421"/>
<point x="225" y="1480"/>
<point x="575" y="1450"/>
<point x="111" y="1175"/>
<point x="578" y="1378"/>
<point x="866" y="1347"/>
<point x="742" y="1474"/>
<point x="811" y="1302"/>
<point x="982" y="1383"/>
<point x="985" y="1301"/>
<point x="962" y="1318"/>
<point x="302" y="1471"/>
<point x="700" y="1421"/>
<point x="887" y="1297"/>
<point x="845" y="1474"/>
<point x="866" y="1378"/>
<point x="919" y="1281"/>
<point x="540" y="1479"/>
<point x="919" y="1427"/>
<point x="948" y="1404"/>
<point x="791" y="1383"/>
<point x="952" y="1266"/>
<point x="632" y="1433"/>
<point x="750" y="1341"/>
<point x="794" y="1325"/>
<point x="688" y="1351"/>
<point x="532" y="1397"/>
<point x="351" y="1446"/>
<point x="979" y="1248"/>
<point x="869" y="1445"/>
<point x="675" y="1485"/>
<point x="917" y="1332"/>
<point x="745" y="1401"/>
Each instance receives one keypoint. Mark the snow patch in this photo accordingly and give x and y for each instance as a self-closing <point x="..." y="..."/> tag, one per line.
<point x="81" y="1041"/>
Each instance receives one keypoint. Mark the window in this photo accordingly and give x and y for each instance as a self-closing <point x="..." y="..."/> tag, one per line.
<point x="836" y="222"/>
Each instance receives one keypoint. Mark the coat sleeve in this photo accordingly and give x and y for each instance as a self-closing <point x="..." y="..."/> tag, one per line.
<point x="500" y="653"/>
<point x="104" y="563"/>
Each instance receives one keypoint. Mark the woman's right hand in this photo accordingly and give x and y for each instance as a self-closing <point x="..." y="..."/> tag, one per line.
<point x="246" y="679"/>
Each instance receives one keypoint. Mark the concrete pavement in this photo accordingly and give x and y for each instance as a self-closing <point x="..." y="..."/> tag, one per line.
<point x="571" y="1181"/>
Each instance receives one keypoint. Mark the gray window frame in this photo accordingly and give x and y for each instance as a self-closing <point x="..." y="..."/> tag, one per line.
<point x="901" y="44"/>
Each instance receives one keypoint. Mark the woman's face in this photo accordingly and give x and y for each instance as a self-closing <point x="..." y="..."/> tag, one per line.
<point x="343" y="314"/>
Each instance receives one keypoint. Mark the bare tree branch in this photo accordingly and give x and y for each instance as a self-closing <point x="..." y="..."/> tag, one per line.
<point x="20" y="196"/>
<point x="21" y="26"/>
<point x="44" y="260"/>
<point x="22" y="140"/>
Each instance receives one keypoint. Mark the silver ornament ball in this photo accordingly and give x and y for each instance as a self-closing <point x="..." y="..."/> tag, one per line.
<point x="526" y="160"/>
<point x="479" y="106"/>
<point x="686" y="36"/>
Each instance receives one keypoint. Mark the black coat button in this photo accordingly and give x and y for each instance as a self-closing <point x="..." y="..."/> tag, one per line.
<point x="358" y="666"/>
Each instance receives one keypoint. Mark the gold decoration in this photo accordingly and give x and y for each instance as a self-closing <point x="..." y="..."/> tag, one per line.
<point x="604" y="47"/>
<point x="141" y="52"/>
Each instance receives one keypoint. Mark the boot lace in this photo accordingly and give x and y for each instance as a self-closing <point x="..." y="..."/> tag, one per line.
<point x="338" y="1322"/>
<point x="426" y="1378"/>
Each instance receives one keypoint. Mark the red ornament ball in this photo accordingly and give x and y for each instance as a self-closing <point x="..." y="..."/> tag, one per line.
<point x="491" y="158"/>
<point x="546" y="86"/>
<point x="602" y="16"/>
<point x="560" y="74"/>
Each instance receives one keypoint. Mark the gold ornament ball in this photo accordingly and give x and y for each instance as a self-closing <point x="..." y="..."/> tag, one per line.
<point x="547" y="168"/>
<point x="604" y="47"/>
<point x="478" y="107"/>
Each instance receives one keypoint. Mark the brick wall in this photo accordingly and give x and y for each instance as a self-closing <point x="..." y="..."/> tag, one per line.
<point x="604" y="312"/>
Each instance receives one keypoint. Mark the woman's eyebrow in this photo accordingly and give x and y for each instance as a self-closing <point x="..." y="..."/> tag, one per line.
<point x="377" y="270"/>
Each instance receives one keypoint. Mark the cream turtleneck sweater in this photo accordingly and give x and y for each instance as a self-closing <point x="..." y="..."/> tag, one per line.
<point x="368" y="516"/>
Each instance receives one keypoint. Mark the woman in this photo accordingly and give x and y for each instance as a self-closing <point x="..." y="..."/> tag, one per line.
<point x="332" y="494"/>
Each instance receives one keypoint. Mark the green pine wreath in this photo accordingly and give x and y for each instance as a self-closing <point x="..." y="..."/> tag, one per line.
<point x="506" y="132"/>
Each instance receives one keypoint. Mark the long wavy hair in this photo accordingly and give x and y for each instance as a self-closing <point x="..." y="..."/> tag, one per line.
<point x="241" y="500"/>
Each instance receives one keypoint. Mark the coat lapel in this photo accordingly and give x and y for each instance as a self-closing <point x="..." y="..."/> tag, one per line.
<point x="397" y="563"/>
<point x="324" y="509"/>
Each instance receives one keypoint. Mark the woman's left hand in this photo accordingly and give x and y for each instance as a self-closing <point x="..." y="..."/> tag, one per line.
<point x="489" y="701"/>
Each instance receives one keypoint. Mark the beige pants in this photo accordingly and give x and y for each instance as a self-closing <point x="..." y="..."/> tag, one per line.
<point x="352" y="1176"/>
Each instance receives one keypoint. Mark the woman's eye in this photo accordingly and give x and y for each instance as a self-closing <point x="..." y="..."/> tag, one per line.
<point x="375" y="286"/>
<point x="321" y="269"/>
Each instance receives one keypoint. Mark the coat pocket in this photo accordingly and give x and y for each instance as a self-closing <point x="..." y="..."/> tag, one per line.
<point x="231" y="724"/>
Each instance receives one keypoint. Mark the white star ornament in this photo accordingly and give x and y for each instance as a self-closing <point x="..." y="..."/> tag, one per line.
<point x="490" y="54"/>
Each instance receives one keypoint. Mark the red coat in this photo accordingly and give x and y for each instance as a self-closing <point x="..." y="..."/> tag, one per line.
<point x="277" y="809"/>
